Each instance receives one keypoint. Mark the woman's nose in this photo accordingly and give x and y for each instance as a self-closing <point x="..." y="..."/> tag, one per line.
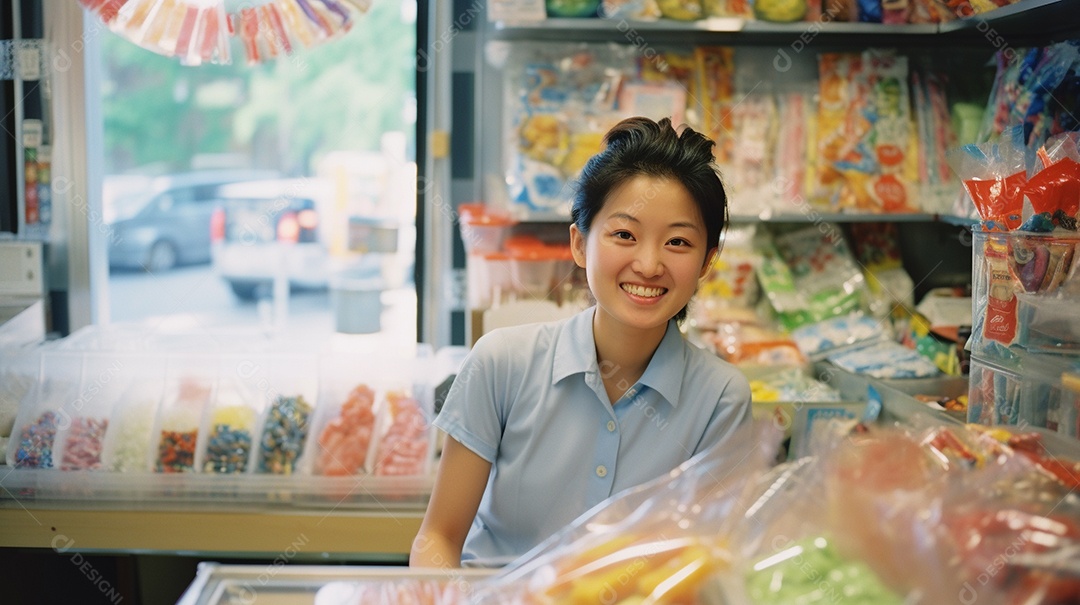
<point x="647" y="263"/>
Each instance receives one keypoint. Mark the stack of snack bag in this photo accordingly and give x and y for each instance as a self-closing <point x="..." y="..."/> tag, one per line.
<point x="724" y="315"/>
<point x="864" y="159"/>
<point x="1025" y="279"/>
<point x="848" y="132"/>
<point x="783" y="11"/>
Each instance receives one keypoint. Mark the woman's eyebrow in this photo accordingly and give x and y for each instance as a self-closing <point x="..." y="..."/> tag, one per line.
<point x="622" y="216"/>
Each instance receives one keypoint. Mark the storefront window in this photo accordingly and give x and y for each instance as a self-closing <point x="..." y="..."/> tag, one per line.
<point x="278" y="194"/>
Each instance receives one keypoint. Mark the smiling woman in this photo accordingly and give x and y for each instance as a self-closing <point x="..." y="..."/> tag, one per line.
<point x="609" y="398"/>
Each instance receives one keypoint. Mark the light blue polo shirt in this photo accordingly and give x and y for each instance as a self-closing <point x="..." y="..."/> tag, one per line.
<point x="530" y="399"/>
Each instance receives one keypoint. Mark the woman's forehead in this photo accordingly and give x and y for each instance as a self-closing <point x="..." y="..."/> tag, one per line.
<point x="653" y="200"/>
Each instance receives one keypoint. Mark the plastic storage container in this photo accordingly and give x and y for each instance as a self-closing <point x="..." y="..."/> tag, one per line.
<point x="81" y="443"/>
<point x="483" y="230"/>
<point x="20" y="369"/>
<point x="1025" y="292"/>
<point x="130" y="437"/>
<point x="45" y="411"/>
<point x="1032" y="391"/>
<point x="189" y="387"/>
<point x="229" y="421"/>
<point x="291" y="385"/>
<point x="364" y="400"/>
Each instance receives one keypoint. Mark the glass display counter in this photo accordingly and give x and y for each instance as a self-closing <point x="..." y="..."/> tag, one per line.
<point x="217" y="584"/>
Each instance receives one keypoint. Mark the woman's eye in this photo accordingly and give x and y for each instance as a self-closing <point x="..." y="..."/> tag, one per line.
<point x="622" y="235"/>
<point x="678" y="241"/>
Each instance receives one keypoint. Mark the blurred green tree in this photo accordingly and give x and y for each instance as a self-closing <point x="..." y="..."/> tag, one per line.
<point x="282" y="114"/>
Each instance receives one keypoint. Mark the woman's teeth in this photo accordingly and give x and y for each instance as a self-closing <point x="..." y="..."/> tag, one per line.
<point x="642" y="290"/>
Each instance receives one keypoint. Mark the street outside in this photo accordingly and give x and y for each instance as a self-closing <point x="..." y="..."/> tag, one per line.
<point x="195" y="299"/>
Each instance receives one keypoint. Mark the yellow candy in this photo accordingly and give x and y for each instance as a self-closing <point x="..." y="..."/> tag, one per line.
<point x="239" y="416"/>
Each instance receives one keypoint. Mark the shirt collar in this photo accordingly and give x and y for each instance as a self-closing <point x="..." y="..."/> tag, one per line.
<point x="575" y="352"/>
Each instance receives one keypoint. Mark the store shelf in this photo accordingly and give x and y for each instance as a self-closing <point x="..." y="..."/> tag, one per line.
<point x="332" y="517"/>
<point x="667" y="31"/>
<point x="314" y="535"/>
<point x="105" y="490"/>
<point x="811" y="216"/>
<point x="1028" y="19"/>
<point x="1044" y="18"/>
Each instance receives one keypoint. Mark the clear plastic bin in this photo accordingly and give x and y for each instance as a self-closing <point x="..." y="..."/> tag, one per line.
<point x="373" y="417"/>
<point x="190" y="381"/>
<point x="291" y="387"/>
<point x="1023" y="288"/>
<point x="80" y="445"/>
<point x="1033" y="392"/>
<point x="228" y="425"/>
<point x="483" y="230"/>
<point x="533" y="271"/>
<point x="44" y="412"/>
<point x="1048" y="324"/>
<point x="130" y="436"/>
<point x="490" y="279"/>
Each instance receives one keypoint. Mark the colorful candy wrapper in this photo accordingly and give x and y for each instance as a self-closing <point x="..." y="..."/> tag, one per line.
<point x="994" y="175"/>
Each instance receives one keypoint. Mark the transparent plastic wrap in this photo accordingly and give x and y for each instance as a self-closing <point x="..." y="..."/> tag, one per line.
<point x="563" y="99"/>
<point x="919" y="515"/>
<point x="818" y="277"/>
<point x="660" y="542"/>
<point x="730" y="281"/>
<point x="823" y="338"/>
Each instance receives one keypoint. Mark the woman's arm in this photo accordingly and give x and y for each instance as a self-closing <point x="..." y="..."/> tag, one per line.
<point x="459" y="485"/>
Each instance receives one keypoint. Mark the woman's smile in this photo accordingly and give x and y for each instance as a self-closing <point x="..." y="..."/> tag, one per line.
<point x="647" y="293"/>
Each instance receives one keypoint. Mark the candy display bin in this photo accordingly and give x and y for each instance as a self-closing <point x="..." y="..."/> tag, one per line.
<point x="898" y="401"/>
<point x="1033" y="391"/>
<point x="1025" y="291"/>
<point x="358" y="398"/>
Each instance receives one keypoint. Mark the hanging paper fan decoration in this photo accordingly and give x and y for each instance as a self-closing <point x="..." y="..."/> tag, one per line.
<point x="198" y="31"/>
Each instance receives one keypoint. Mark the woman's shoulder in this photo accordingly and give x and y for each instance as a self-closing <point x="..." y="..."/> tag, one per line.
<point x="519" y="339"/>
<point x="704" y="365"/>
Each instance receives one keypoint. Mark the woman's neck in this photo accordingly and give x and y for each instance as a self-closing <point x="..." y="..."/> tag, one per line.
<point x="622" y="353"/>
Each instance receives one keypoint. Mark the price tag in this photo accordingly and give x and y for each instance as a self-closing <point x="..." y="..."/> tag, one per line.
<point x="29" y="63"/>
<point x="32" y="133"/>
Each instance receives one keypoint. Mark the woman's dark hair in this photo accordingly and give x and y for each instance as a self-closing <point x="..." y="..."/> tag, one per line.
<point x="641" y="147"/>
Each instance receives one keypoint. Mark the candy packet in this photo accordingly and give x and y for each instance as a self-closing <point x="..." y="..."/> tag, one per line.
<point x="994" y="176"/>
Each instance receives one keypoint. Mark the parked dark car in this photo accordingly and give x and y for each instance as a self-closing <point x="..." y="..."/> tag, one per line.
<point x="167" y="222"/>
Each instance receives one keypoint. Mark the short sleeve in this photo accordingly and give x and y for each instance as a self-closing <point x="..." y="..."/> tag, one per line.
<point x="471" y="413"/>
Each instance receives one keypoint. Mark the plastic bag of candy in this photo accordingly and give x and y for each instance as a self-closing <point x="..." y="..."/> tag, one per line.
<point x="892" y="515"/>
<point x="661" y="542"/>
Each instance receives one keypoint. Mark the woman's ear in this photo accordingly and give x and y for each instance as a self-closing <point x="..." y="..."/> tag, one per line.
<point x="710" y="258"/>
<point x="577" y="245"/>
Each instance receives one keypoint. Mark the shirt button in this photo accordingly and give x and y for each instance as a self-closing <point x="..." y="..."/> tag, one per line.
<point x="601" y="471"/>
<point x="611" y="426"/>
